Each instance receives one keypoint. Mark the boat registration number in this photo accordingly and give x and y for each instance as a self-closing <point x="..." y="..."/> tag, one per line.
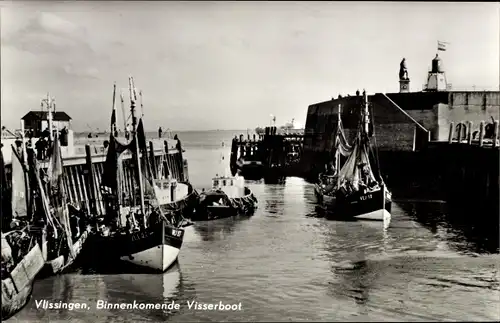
<point x="366" y="197"/>
<point x="176" y="233"/>
<point x="141" y="235"/>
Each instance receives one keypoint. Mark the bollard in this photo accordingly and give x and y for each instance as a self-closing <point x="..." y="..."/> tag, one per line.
<point x="481" y="133"/>
<point x="450" y="135"/>
<point x="469" y="132"/>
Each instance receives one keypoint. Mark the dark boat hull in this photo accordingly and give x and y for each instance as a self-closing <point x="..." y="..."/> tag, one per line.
<point x="62" y="263"/>
<point x="235" y="206"/>
<point x="156" y="247"/>
<point x="375" y="206"/>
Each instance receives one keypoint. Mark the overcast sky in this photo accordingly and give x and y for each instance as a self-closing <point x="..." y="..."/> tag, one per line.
<point x="222" y="65"/>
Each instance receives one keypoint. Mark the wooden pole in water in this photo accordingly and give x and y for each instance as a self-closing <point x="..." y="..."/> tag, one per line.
<point x="481" y="133"/>
<point x="91" y="208"/>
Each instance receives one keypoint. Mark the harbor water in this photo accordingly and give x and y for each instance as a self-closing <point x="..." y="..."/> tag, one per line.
<point x="287" y="264"/>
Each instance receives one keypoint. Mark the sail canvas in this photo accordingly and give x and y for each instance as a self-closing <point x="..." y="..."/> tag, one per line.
<point x="19" y="187"/>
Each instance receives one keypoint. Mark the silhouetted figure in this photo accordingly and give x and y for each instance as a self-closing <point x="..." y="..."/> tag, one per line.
<point x="116" y="133"/>
<point x="127" y="134"/>
<point x="90" y="135"/>
<point x="159" y="132"/>
<point x="45" y="133"/>
<point x="64" y="137"/>
<point x="41" y="146"/>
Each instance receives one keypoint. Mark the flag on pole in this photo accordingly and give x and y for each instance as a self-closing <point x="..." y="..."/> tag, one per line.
<point x="442" y="45"/>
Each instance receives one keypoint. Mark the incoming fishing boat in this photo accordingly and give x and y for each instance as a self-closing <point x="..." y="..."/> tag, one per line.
<point x="228" y="197"/>
<point x="355" y="190"/>
<point x="135" y="229"/>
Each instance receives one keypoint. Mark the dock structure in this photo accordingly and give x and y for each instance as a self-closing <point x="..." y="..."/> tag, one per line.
<point x="436" y="143"/>
<point x="84" y="191"/>
<point x="278" y="153"/>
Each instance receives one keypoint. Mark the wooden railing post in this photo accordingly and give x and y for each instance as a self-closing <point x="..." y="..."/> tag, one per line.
<point x="481" y="133"/>
<point x="450" y="135"/>
<point x="91" y="204"/>
<point x="469" y="132"/>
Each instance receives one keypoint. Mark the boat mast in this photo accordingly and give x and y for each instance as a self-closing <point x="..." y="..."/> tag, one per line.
<point x="133" y="98"/>
<point x="50" y="105"/>
<point x="337" y="153"/>
<point x="114" y="110"/>
<point x="366" y="115"/>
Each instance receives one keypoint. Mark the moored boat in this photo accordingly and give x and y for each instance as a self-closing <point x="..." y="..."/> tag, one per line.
<point x="136" y="229"/>
<point x="227" y="197"/>
<point x="17" y="282"/>
<point x="67" y="226"/>
<point x="22" y="258"/>
<point x="356" y="190"/>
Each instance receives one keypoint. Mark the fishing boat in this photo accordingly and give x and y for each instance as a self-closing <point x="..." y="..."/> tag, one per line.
<point x="356" y="190"/>
<point x="17" y="283"/>
<point x="136" y="229"/>
<point x="227" y="197"/>
<point x="22" y="258"/>
<point x="174" y="196"/>
<point x="61" y="222"/>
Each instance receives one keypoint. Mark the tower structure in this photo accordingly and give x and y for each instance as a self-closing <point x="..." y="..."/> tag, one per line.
<point x="404" y="79"/>
<point x="436" y="81"/>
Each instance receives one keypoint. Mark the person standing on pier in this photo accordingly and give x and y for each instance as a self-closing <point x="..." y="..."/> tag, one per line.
<point x="40" y="146"/>
<point x="159" y="132"/>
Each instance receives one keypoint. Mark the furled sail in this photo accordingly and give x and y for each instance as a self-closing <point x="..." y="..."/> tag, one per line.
<point x="357" y="167"/>
<point x="19" y="187"/>
<point x="57" y="191"/>
<point x="341" y="143"/>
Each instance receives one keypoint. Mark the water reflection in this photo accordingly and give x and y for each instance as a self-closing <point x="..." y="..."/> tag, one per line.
<point x="273" y="198"/>
<point x="465" y="235"/>
<point x="219" y="229"/>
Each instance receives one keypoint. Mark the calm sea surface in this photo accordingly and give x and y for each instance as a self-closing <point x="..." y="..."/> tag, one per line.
<point x="286" y="264"/>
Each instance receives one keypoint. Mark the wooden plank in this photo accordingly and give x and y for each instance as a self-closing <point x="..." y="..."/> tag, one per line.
<point x="72" y="182"/>
<point x="77" y="182"/>
<point x="81" y="178"/>
<point x="97" y="183"/>
<point x="91" y="205"/>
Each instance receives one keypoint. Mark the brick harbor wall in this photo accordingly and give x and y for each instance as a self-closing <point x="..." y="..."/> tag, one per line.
<point x="394" y="130"/>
